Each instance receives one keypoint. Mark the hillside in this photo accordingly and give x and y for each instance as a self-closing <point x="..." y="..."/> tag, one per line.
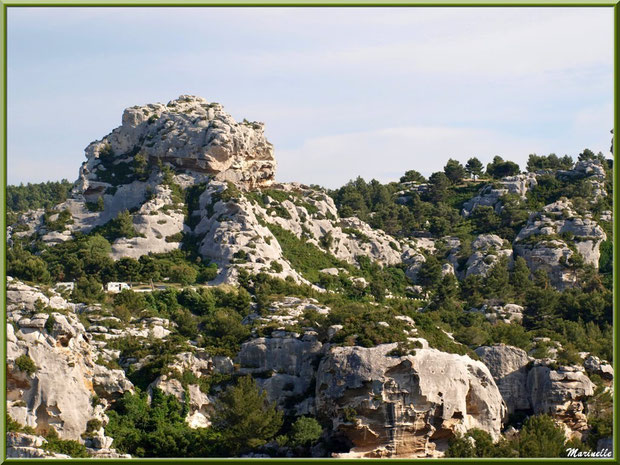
<point x="285" y="320"/>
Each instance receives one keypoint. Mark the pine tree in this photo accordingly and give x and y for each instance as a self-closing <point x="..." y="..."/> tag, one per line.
<point x="244" y="416"/>
<point x="474" y="167"/>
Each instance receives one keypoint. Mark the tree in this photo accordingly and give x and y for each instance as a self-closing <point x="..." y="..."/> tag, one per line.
<point x="474" y="167"/>
<point x="183" y="273"/>
<point x="497" y="282"/>
<point x="88" y="290"/>
<point x="520" y="279"/>
<point x="499" y="168"/>
<point x="430" y="274"/>
<point x="305" y="431"/>
<point x="244" y="417"/>
<point x="454" y="171"/>
<point x="438" y="184"/>
<point x="128" y="268"/>
<point x="541" y="437"/>
<point x="412" y="176"/>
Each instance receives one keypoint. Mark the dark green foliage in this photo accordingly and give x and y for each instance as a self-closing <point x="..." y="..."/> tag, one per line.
<point x="34" y="196"/>
<point x="158" y="429"/>
<point x="97" y="206"/>
<point x="26" y="364"/>
<point x="549" y="162"/>
<point x="177" y="237"/>
<point x="121" y="226"/>
<point x="541" y="437"/>
<point x="305" y="431"/>
<point x="438" y="184"/>
<point x="499" y="168"/>
<point x="474" y="168"/>
<point x="183" y="274"/>
<point x="13" y="426"/>
<point x="276" y="267"/>
<point x="244" y="417"/>
<point x="69" y="447"/>
<point x="412" y="176"/>
<point x="88" y="290"/>
<point x="303" y="256"/>
<point x="49" y="324"/>
<point x="24" y="265"/>
<point x="454" y="171"/>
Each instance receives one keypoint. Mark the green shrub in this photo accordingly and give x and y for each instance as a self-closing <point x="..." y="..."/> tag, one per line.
<point x="244" y="417"/>
<point x="26" y="364"/>
<point x="305" y="431"/>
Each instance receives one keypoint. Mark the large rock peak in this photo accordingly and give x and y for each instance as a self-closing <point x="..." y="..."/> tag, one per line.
<point x="189" y="134"/>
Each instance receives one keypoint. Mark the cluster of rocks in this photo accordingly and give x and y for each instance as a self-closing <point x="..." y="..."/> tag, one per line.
<point x="551" y="237"/>
<point x="190" y="134"/>
<point x="52" y="372"/>
<point x="540" y="386"/>
<point x="491" y="194"/>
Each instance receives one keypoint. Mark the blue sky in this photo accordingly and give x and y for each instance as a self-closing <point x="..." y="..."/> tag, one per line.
<point x="343" y="92"/>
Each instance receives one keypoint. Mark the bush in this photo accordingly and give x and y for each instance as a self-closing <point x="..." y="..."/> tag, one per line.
<point x="305" y="431"/>
<point x="62" y="446"/>
<point x="26" y="364"/>
<point x="541" y="437"/>
<point x="244" y="417"/>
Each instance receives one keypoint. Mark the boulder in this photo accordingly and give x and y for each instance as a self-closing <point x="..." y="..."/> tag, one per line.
<point x="560" y="393"/>
<point x="409" y="406"/>
<point x="508" y="366"/>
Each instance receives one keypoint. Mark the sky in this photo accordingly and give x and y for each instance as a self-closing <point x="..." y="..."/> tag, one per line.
<point x="344" y="92"/>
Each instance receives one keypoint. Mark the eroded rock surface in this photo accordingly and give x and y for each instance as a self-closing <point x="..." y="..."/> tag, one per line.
<point x="406" y="406"/>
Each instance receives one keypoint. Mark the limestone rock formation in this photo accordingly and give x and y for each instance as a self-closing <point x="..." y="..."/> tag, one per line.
<point x="52" y="374"/>
<point x="509" y="367"/>
<point x="487" y="249"/>
<point x="407" y="406"/>
<point x="286" y="364"/>
<point x="551" y="238"/>
<point x="490" y="195"/>
<point x="596" y="366"/>
<point x="188" y="133"/>
<point x="560" y="393"/>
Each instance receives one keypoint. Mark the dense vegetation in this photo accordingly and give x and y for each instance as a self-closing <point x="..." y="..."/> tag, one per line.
<point x="373" y="304"/>
<point x="34" y="196"/>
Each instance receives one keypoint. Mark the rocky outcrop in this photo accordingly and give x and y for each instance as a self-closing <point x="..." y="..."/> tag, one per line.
<point x="507" y="313"/>
<point x="52" y="374"/>
<point x="560" y="393"/>
<point x="29" y="446"/>
<point x="408" y="406"/>
<point x="596" y="366"/>
<point x="551" y="238"/>
<point x="487" y="249"/>
<point x="509" y="367"/>
<point x="235" y="230"/>
<point x="285" y="366"/>
<point x="188" y="133"/>
<point x="490" y="195"/>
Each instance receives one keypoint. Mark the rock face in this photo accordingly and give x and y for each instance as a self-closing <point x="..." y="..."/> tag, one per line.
<point x="487" y="250"/>
<point x="58" y="390"/>
<point x="532" y="385"/>
<point x="285" y="364"/>
<point x="508" y="366"/>
<point x="596" y="366"/>
<point x="560" y="393"/>
<point x="231" y="225"/>
<point x="190" y="134"/>
<point x="28" y="446"/>
<point x="406" y="406"/>
<point x="551" y="238"/>
<point x="490" y="195"/>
